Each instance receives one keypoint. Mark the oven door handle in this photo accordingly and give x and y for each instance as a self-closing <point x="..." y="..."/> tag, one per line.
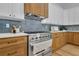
<point x="31" y="48"/>
<point x="40" y="51"/>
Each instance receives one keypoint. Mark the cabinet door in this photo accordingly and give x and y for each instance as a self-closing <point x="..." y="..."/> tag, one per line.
<point x="76" y="38"/>
<point x="27" y="8"/>
<point x="62" y="39"/>
<point x="40" y="9"/>
<point x="70" y="37"/>
<point x="36" y="8"/>
<point x="58" y="40"/>
<point x="56" y="43"/>
<point x="46" y="9"/>
<point x="33" y="8"/>
<point x="14" y="10"/>
<point x="18" y="10"/>
<point x="17" y="50"/>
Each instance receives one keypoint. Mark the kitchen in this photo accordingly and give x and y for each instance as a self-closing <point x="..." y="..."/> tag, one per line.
<point x="23" y="33"/>
<point x="39" y="29"/>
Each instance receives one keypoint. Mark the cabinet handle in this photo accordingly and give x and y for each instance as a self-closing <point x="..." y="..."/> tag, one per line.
<point x="10" y="15"/>
<point x="12" y="41"/>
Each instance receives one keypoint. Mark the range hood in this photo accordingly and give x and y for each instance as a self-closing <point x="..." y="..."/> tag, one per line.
<point x="45" y="21"/>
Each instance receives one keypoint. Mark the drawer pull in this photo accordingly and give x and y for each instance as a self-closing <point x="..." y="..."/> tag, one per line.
<point x="9" y="54"/>
<point x="12" y="42"/>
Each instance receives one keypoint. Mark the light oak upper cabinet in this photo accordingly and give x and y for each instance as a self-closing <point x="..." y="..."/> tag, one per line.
<point x="40" y="9"/>
<point x="27" y="7"/>
<point x="46" y="10"/>
<point x="12" y="10"/>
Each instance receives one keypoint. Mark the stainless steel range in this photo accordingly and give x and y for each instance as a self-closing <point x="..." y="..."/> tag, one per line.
<point x="39" y="43"/>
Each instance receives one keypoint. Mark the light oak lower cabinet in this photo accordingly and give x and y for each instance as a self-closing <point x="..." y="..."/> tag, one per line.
<point x="58" y="39"/>
<point x="70" y="37"/>
<point x="73" y="38"/>
<point x="76" y="38"/>
<point x="14" y="46"/>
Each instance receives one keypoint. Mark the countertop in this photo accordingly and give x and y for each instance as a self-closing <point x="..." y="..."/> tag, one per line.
<point x="5" y="35"/>
<point x="63" y="31"/>
<point x="58" y="31"/>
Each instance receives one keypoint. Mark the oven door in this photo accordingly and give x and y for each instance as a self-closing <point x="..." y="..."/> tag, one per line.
<point x="40" y="47"/>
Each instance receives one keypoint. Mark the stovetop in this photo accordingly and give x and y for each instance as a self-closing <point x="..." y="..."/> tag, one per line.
<point x="37" y="32"/>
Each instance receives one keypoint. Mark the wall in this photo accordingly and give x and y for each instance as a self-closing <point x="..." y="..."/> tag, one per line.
<point x="65" y="20"/>
<point x="3" y="23"/>
<point x="56" y="14"/>
<point x="73" y="15"/>
<point x="73" y="18"/>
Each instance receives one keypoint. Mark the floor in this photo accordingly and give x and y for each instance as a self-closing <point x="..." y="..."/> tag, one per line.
<point x="67" y="50"/>
<point x="48" y="54"/>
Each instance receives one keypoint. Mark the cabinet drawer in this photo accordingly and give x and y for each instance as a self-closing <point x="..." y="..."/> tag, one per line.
<point x="58" y="36"/>
<point x="4" y="42"/>
<point x="22" y="51"/>
<point x="55" y="35"/>
<point x="17" y="50"/>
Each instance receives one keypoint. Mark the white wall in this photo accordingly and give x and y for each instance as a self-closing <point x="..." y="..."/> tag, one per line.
<point x="56" y="14"/>
<point x="73" y="15"/>
<point x="65" y="21"/>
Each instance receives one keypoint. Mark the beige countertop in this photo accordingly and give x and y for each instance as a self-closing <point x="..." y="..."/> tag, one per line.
<point x="58" y="31"/>
<point x="5" y="35"/>
<point x="63" y="31"/>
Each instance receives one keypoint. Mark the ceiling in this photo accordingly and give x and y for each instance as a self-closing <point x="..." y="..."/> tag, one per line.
<point x="68" y="5"/>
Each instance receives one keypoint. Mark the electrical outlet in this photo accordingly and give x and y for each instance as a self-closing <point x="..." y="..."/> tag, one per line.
<point x="7" y="25"/>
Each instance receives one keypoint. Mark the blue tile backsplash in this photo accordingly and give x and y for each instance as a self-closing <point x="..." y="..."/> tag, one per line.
<point x="33" y="26"/>
<point x="3" y="23"/>
<point x="27" y="25"/>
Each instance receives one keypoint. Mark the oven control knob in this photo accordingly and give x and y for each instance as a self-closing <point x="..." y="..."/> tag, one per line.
<point x="36" y="37"/>
<point x="32" y="38"/>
